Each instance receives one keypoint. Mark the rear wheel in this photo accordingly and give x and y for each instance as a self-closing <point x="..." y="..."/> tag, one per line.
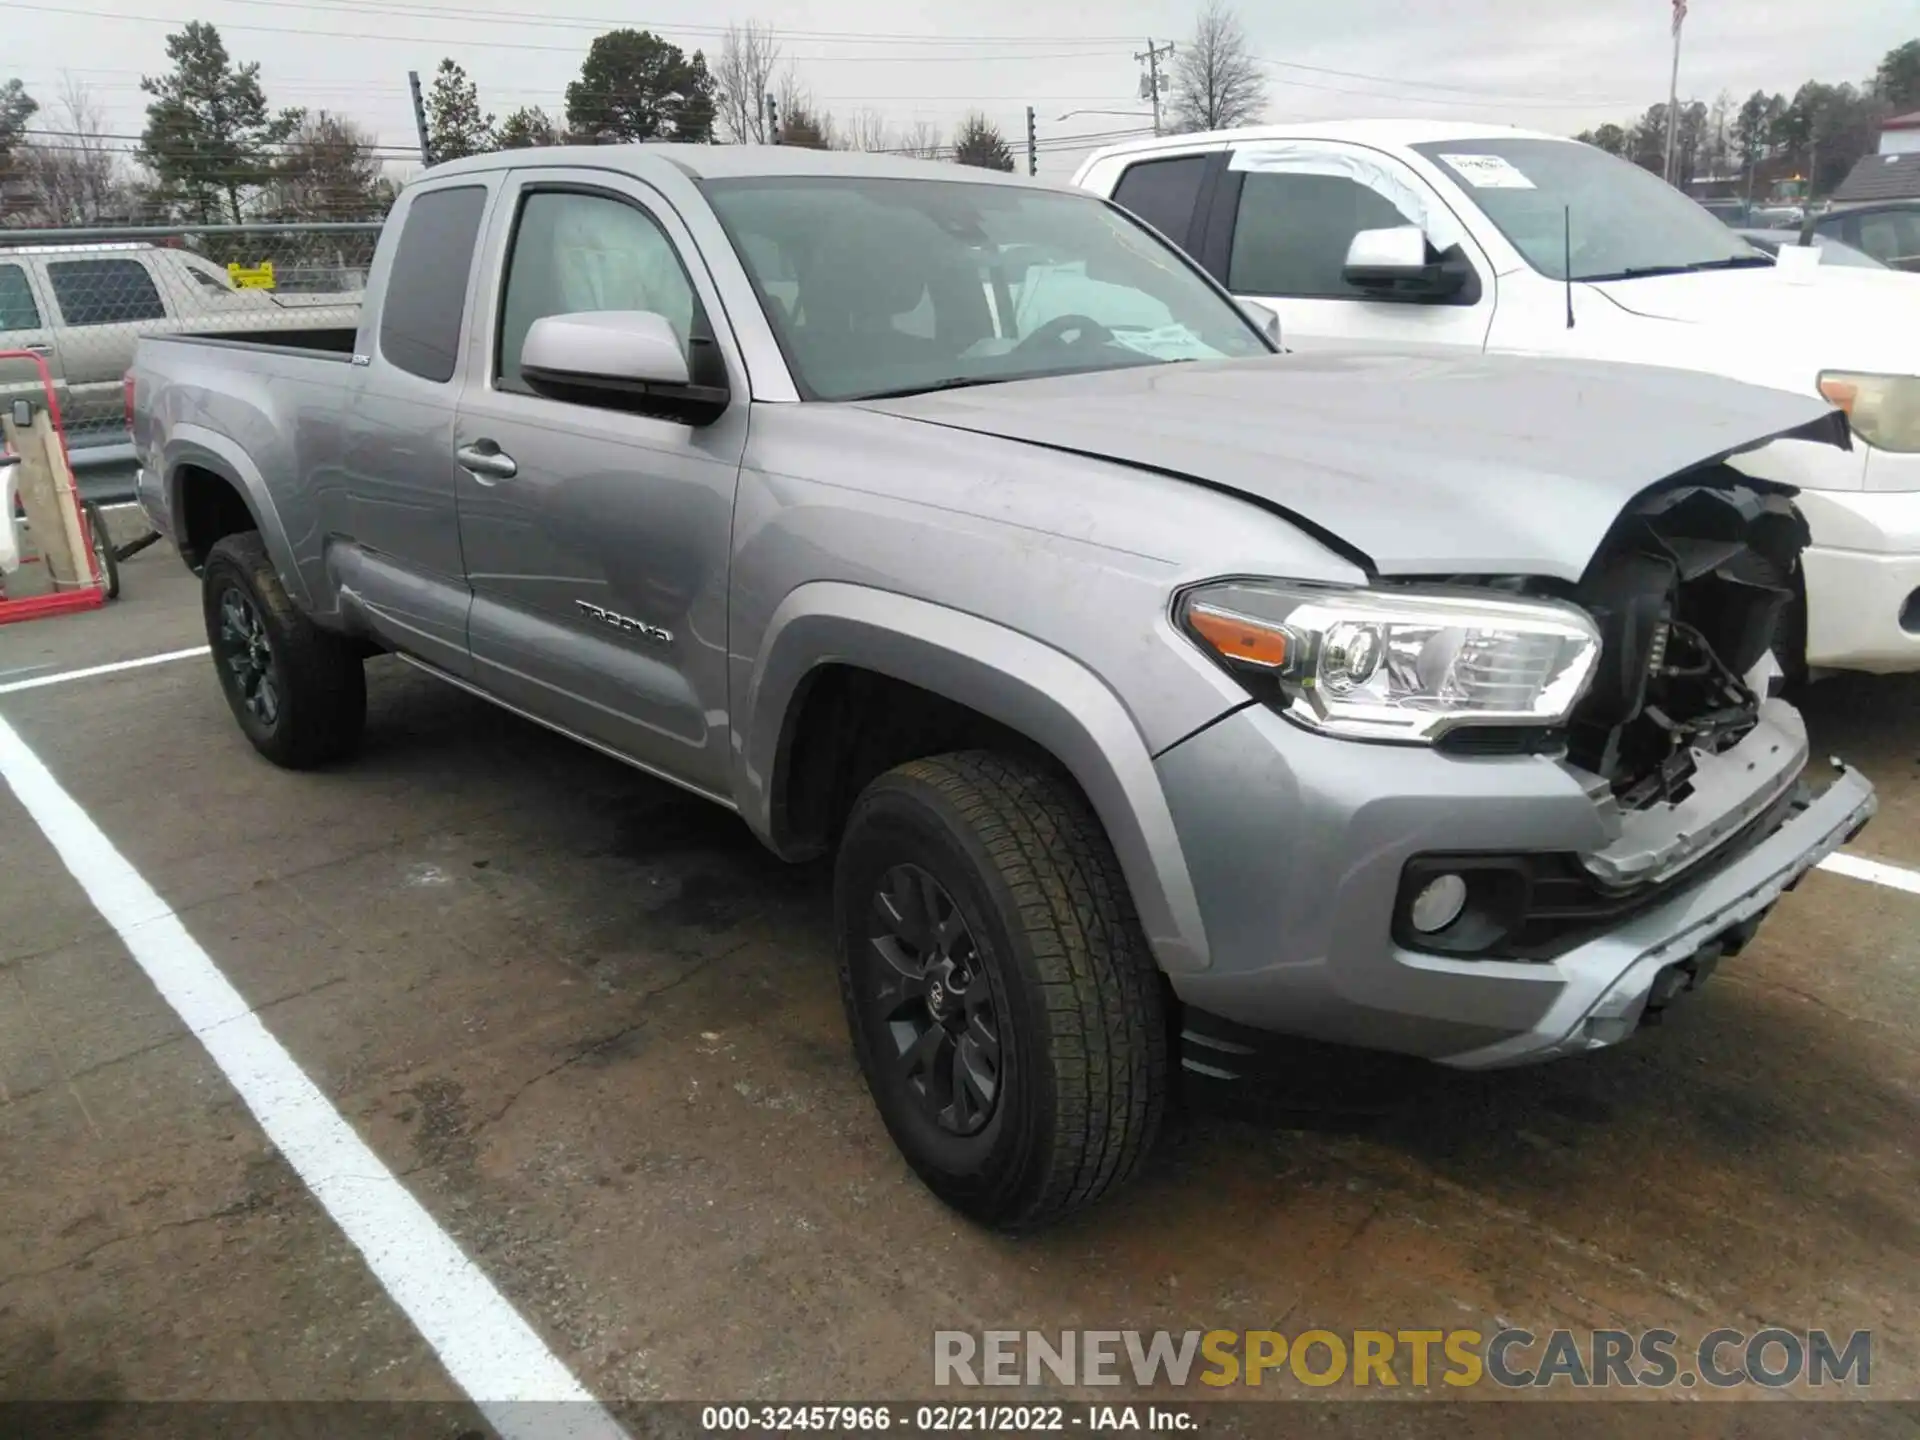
<point x="1002" y="1000"/>
<point x="298" y="692"/>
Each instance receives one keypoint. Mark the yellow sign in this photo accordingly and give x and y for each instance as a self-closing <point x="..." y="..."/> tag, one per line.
<point x="252" y="277"/>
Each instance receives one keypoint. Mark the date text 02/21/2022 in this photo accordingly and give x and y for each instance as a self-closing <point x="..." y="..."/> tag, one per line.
<point x="945" y="1419"/>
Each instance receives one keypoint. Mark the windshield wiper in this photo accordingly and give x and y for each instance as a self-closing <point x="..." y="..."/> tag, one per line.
<point x="1735" y="262"/>
<point x="964" y="382"/>
<point x="952" y="382"/>
<point x="1640" y="272"/>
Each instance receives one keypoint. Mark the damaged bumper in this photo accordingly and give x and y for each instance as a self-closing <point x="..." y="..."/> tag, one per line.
<point x="1304" y="891"/>
<point x="1613" y="984"/>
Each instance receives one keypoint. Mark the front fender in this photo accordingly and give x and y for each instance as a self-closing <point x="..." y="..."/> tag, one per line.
<point x="198" y="447"/>
<point x="1025" y="685"/>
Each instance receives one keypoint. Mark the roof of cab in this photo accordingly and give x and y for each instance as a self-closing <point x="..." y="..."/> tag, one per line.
<point x="1383" y="132"/>
<point x="726" y="162"/>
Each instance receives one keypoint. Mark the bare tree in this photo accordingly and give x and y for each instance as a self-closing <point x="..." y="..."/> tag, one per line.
<point x="743" y="78"/>
<point x="1217" y="83"/>
<point x="75" y="173"/>
<point x="868" y="130"/>
<point x="923" y="142"/>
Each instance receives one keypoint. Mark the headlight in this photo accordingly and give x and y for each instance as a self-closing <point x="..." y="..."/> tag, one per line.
<point x="1387" y="665"/>
<point x="1883" y="409"/>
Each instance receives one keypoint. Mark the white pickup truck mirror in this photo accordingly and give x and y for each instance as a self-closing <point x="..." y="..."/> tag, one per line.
<point x="1399" y="264"/>
<point x="626" y="360"/>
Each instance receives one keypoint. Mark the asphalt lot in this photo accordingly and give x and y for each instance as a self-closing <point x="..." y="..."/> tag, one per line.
<point x="593" y="1028"/>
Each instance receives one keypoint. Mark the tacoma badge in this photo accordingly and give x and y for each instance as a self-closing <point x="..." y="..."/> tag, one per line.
<point x="628" y="623"/>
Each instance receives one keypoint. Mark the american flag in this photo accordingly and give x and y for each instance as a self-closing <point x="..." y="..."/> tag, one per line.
<point x="1679" y="14"/>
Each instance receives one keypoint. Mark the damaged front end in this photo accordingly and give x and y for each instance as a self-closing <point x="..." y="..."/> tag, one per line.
<point x="1679" y="736"/>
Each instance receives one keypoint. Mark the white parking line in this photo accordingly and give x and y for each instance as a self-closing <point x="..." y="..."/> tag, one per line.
<point x="93" y="670"/>
<point x="489" y="1350"/>
<point x="1879" y="872"/>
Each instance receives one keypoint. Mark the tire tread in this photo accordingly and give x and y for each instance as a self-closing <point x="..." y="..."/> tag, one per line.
<point x="1100" y="989"/>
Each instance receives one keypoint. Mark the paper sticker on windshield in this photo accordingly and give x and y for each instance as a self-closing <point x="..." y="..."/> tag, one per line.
<point x="1167" y="342"/>
<point x="1488" y="172"/>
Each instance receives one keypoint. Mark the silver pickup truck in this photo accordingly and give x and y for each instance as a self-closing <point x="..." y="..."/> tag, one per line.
<point x="1160" y="696"/>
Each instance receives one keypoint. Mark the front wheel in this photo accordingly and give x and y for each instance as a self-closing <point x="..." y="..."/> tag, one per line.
<point x="1003" y="1004"/>
<point x="299" y="692"/>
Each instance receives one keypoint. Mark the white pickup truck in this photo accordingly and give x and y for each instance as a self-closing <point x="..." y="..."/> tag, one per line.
<point x="83" y="308"/>
<point x="1418" y="233"/>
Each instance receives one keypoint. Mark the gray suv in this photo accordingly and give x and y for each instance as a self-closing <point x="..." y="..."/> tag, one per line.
<point x="1160" y="696"/>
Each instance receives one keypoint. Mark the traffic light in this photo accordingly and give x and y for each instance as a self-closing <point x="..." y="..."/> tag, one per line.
<point x="1033" y="145"/>
<point x="773" y="120"/>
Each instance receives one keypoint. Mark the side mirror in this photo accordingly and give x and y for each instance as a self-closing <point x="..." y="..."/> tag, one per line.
<point x="1399" y="264"/>
<point x="1267" y="321"/>
<point x="622" y="359"/>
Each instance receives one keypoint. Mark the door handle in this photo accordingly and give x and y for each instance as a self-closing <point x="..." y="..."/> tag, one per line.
<point x="486" y="462"/>
<point x="38" y="347"/>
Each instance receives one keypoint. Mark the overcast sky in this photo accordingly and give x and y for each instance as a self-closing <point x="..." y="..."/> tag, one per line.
<point x="1557" y="65"/>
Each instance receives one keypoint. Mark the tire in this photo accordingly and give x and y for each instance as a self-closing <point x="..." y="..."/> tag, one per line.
<point x="298" y="692"/>
<point x="105" y="556"/>
<point x="1048" y="955"/>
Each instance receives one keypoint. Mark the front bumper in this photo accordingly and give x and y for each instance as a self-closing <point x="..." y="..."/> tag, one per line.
<point x="1863" y="579"/>
<point x="1298" y="890"/>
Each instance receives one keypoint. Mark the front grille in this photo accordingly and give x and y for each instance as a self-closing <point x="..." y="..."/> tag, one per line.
<point x="1501" y="740"/>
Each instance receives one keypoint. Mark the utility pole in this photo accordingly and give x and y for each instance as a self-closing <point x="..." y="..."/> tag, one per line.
<point x="420" y="118"/>
<point x="1153" y="84"/>
<point x="773" y="120"/>
<point x="1033" y="145"/>
<point x="1673" y="87"/>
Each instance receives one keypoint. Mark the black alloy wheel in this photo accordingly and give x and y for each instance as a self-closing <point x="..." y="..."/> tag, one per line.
<point x="933" y="1001"/>
<point x="243" y="650"/>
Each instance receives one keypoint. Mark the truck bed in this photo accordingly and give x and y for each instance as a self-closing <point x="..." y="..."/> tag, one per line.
<point x="319" y="342"/>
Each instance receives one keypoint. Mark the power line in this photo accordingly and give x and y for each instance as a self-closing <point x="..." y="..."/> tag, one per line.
<point x="1431" y="84"/>
<point x="998" y="58"/>
<point x="415" y="9"/>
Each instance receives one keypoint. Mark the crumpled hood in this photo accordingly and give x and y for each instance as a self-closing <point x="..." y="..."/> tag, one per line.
<point x="1422" y="463"/>
<point x="1833" y="317"/>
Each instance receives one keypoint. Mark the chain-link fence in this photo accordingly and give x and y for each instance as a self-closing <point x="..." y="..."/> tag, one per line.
<point x="82" y="299"/>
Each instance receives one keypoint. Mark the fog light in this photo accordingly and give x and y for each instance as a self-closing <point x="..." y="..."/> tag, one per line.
<point x="1438" y="904"/>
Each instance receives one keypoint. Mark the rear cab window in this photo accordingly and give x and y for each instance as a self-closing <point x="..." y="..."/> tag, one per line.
<point x="104" y="292"/>
<point x="425" y="300"/>
<point x="1164" y="193"/>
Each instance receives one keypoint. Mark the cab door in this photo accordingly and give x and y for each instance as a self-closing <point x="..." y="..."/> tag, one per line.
<point x="597" y="535"/>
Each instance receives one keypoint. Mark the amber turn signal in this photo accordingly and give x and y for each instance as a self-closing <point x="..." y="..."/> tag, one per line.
<point x="1236" y="637"/>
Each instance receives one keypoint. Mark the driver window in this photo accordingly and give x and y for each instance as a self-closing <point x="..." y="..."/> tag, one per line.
<point x="574" y="253"/>
<point x="1293" y="232"/>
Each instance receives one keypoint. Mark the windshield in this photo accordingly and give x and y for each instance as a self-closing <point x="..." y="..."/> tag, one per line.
<point x="1622" y="221"/>
<point x="887" y="287"/>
